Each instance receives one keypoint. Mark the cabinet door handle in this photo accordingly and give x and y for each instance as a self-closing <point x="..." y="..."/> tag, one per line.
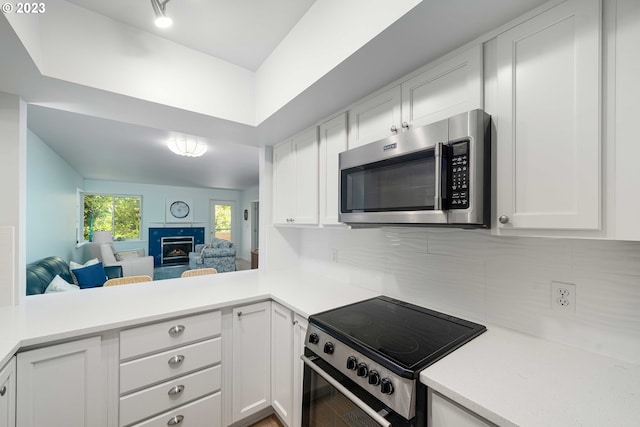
<point x="405" y="125"/>
<point x="503" y="219"/>
<point x="176" y="330"/>
<point x="239" y="314"/>
<point x="3" y="390"/>
<point x="176" y="360"/>
<point x="175" y="420"/>
<point x="394" y="129"/>
<point x="295" y="322"/>
<point x="174" y="391"/>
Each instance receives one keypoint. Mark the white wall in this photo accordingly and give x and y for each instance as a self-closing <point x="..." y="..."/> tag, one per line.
<point x="51" y="203"/>
<point x="154" y="199"/>
<point x="345" y="28"/>
<point x="495" y="280"/>
<point x="13" y="143"/>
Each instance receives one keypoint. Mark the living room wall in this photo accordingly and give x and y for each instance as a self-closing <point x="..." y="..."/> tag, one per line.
<point x="154" y="199"/>
<point x="51" y="203"/>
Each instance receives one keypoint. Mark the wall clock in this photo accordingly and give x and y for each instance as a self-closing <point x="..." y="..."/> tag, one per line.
<point x="179" y="210"/>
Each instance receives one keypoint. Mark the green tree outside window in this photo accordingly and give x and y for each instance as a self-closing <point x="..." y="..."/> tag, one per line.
<point x="118" y="214"/>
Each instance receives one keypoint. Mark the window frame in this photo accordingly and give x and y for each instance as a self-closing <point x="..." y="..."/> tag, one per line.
<point x="80" y="240"/>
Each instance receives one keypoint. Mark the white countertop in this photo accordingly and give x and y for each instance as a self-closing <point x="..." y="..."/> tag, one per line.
<point x="507" y="377"/>
<point x="514" y="379"/>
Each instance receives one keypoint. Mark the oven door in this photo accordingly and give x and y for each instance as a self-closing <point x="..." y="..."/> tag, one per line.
<point x="331" y="399"/>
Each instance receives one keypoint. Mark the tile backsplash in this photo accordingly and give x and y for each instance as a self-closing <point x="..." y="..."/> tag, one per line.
<point x="504" y="281"/>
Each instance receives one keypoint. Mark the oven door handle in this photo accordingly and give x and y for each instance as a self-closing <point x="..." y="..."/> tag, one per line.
<point x="342" y="389"/>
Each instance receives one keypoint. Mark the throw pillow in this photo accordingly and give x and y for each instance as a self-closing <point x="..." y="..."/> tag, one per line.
<point x="116" y="255"/>
<point x="91" y="276"/>
<point x="58" y="284"/>
<point x="74" y="266"/>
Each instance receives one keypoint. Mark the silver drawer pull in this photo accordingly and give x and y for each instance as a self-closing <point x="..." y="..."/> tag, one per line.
<point x="175" y="420"/>
<point x="174" y="391"/>
<point x="176" y="360"/>
<point x="176" y="330"/>
<point x="3" y="390"/>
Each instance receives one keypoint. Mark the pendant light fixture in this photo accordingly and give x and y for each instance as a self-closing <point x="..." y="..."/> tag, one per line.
<point x="187" y="147"/>
<point x="162" y="20"/>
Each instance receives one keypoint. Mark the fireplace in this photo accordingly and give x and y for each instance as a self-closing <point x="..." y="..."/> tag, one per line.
<point x="175" y="250"/>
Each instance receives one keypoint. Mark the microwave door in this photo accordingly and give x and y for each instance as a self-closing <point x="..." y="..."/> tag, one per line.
<point x="400" y="189"/>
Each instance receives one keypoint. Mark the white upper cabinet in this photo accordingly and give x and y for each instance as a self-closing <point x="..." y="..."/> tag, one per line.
<point x="444" y="90"/>
<point x="295" y="180"/>
<point x="548" y="121"/>
<point x="333" y="141"/>
<point x="375" y="117"/>
<point x="626" y="64"/>
<point x="440" y="90"/>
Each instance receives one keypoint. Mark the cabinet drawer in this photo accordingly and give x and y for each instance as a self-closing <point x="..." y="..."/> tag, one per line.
<point x="172" y="333"/>
<point x="165" y="396"/>
<point x="206" y="411"/>
<point x="169" y="364"/>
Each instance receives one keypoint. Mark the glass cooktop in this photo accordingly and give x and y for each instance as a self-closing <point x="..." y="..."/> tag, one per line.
<point x="404" y="334"/>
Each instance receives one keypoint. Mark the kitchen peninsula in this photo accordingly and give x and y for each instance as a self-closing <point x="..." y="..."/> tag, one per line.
<point x="505" y="377"/>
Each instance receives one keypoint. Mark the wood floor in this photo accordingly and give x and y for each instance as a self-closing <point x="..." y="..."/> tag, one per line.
<point x="270" y="421"/>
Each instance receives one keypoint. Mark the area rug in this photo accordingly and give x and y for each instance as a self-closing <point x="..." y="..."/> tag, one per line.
<point x="170" y="272"/>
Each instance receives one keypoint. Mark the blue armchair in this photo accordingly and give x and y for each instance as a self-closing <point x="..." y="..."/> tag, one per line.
<point x="220" y="254"/>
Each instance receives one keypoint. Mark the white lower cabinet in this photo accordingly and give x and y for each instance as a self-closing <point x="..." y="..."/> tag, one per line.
<point x="205" y="411"/>
<point x="251" y="359"/>
<point x="62" y="385"/>
<point x="288" y="332"/>
<point x="300" y="325"/>
<point x="442" y="412"/>
<point x="8" y="394"/>
<point x="282" y="357"/>
<point x="171" y="372"/>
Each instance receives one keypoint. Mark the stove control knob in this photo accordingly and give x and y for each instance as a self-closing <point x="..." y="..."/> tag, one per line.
<point x="363" y="370"/>
<point x="328" y="347"/>
<point x="314" y="338"/>
<point x="374" y="378"/>
<point x="386" y="387"/>
<point x="352" y="363"/>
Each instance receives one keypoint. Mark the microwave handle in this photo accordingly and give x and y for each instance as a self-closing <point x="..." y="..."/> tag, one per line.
<point x="437" y="203"/>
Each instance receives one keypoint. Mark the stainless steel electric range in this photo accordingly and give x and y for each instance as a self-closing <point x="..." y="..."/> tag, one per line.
<point x="362" y="362"/>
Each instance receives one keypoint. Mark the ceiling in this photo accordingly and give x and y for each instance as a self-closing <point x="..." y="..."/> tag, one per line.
<point x="109" y="150"/>
<point x="242" y="32"/>
<point x="129" y="142"/>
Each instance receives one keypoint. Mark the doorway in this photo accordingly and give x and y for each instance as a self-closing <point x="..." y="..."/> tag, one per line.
<point x="221" y="220"/>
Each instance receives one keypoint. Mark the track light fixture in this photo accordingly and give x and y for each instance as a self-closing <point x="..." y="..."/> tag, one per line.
<point x="162" y="20"/>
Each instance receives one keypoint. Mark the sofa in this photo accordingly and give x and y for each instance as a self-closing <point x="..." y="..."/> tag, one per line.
<point x="220" y="254"/>
<point x="40" y="273"/>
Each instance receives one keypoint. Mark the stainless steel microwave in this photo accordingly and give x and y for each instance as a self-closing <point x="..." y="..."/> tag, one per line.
<point x="435" y="175"/>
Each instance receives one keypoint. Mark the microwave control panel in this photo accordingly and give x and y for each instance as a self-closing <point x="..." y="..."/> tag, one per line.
<point x="459" y="188"/>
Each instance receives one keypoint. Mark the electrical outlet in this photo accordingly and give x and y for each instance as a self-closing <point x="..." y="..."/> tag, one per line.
<point x="563" y="297"/>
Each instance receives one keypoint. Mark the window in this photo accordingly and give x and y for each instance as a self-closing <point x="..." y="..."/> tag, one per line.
<point x="118" y="214"/>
